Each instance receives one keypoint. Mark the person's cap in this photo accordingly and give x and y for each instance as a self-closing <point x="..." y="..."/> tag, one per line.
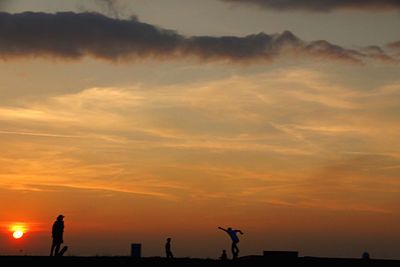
<point x="60" y="216"/>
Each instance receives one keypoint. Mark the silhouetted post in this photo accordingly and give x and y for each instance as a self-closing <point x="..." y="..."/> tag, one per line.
<point x="136" y="250"/>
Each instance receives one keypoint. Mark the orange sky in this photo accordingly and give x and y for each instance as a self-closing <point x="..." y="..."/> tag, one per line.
<point x="301" y="153"/>
<point x="295" y="159"/>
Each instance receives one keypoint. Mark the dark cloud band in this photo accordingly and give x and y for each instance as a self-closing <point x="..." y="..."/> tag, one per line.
<point x="70" y="35"/>
<point x="323" y="5"/>
<point x="73" y="35"/>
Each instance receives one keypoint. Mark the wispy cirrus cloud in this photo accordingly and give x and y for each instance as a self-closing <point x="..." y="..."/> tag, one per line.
<point x="72" y="36"/>
<point x="323" y="5"/>
<point x="179" y="142"/>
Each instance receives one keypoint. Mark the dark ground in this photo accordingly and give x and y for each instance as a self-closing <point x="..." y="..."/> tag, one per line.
<point x="249" y="261"/>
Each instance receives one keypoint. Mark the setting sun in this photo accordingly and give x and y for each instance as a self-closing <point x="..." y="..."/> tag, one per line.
<point x="18" y="234"/>
<point x="18" y="230"/>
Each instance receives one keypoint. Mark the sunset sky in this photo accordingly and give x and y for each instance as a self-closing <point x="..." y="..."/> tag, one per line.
<point x="140" y="120"/>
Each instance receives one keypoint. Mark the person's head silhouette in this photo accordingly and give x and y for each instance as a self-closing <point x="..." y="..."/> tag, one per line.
<point x="60" y="217"/>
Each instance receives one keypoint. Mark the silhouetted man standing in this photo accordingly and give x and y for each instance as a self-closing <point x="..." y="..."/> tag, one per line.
<point x="168" y="251"/>
<point x="57" y="234"/>
<point x="235" y="239"/>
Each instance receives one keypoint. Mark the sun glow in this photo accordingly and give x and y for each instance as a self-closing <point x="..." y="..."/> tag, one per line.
<point x="18" y="230"/>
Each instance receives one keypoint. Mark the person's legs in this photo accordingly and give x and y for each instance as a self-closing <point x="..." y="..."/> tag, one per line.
<point x="235" y="250"/>
<point x="57" y="250"/>
<point x="62" y="251"/>
<point x="53" y="245"/>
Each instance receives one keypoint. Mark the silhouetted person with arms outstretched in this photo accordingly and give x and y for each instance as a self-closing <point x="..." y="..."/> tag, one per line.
<point x="235" y="240"/>
<point x="168" y="251"/>
<point x="57" y="234"/>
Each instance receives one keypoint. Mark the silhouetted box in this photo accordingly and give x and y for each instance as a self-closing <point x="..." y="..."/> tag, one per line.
<point x="136" y="250"/>
<point x="281" y="254"/>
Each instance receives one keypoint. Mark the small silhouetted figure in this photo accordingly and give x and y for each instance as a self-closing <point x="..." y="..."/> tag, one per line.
<point x="224" y="256"/>
<point x="235" y="240"/>
<point x="57" y="234"/>
<point x="168" y="251"/>
<point x="365" y="256"/>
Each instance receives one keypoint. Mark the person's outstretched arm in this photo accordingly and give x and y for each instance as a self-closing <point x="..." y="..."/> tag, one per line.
<point x="239" y="231"/>
<point x="223" y="229"/>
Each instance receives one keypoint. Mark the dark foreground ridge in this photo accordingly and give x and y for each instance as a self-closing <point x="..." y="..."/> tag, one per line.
<point x="247" y="261"/>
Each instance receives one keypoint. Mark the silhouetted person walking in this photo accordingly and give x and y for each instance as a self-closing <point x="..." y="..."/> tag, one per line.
<point x="168" y="251"/>
<point x="57" y="234"/>
<point x="235" y="240"/>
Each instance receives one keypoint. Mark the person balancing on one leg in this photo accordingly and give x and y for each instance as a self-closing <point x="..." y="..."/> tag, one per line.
<point x="235" y="239"/>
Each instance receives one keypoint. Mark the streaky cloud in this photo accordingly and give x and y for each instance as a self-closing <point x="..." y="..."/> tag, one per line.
<point x="323" y="5"/>
<point x="39" y="134"/>
<point x="394" y="48"/>
<point x="378" y="53"/>
<point x="71" y="36"/>
<point x="394" y="45"/>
